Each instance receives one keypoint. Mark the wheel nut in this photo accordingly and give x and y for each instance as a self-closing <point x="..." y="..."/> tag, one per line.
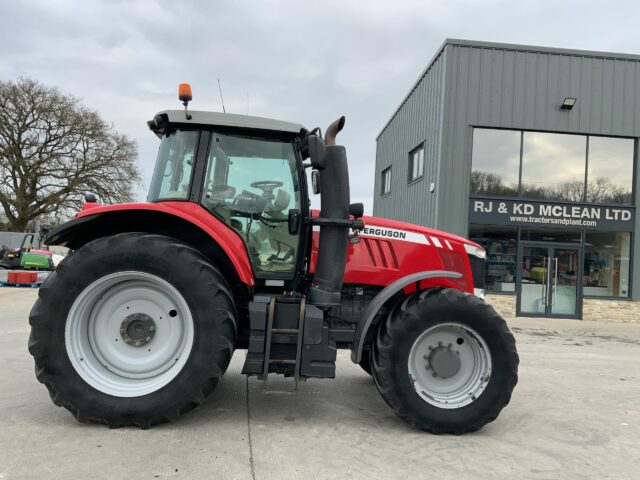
<point x="148" y="339"/>
<point x="152" y="328"/>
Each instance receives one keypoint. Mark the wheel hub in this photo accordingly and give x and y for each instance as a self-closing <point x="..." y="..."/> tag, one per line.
<point x="113" y="313"/>
<point x="449" y="365"/>
<point x="444" y="362"/>
<point x="137" y="329"/>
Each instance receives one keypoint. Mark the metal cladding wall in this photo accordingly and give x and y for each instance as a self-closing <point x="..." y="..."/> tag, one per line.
<point x="419" y="119"/>
<point x="493" y="85"/>
<point x="500" y="86"/>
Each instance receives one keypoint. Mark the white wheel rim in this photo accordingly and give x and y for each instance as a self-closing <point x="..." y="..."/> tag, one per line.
<point x="451" y="389"/>
<point x="98" y="350"/>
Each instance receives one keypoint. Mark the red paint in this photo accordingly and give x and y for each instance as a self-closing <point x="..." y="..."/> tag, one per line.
<point x="22" y="277"/>
<point x="90" y="206"/>
<point x="193" y="213"/>
<point x="380" y="261"/>
<point x="372" y="261"/>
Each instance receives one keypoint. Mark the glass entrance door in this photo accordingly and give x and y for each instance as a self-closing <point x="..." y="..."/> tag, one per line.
<point x="548" y="279"/>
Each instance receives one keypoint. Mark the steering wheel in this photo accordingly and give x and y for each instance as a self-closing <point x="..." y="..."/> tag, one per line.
<point x="267" y="187"/>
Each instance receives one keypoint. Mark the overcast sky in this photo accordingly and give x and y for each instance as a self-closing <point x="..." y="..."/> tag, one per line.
<point x="306" y="62"/>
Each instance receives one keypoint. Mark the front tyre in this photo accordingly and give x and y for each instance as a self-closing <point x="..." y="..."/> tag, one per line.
<point x="445" y="361"/>
<point x="133" y="329"/>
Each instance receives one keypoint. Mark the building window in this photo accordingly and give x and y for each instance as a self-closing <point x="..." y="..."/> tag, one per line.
<point x="496" y="162"/>
<point x="385" y="181"/>
<point x="606" y="264"/>
<point x="416" y="163"/>
<point x="553" y="166"/>
<point x="501" y="244"/>
<point x="610" y="170"/>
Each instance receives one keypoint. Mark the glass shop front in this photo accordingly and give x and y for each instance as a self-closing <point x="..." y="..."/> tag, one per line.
<point x="555" y="213"/>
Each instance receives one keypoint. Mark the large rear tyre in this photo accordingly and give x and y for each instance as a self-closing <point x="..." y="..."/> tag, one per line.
<point x="445" y="361"/>
<point x="133" y="329"/>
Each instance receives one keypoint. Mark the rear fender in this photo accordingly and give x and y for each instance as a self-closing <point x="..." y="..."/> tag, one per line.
<point x="206" y="234"/>
<point x="366" y="322"/>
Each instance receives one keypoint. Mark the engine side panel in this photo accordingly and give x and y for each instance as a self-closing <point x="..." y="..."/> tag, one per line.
<point x="388" y="250"/>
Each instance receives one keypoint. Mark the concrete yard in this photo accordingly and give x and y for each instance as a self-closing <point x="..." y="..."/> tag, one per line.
<point x="575" y="414"/>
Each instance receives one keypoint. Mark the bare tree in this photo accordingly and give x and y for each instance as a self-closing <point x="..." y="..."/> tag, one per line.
<point x="571" y="191"/>
<point x="53" y="150"/>
<point x="604" y="191"/>
<point x="490" y="184"/>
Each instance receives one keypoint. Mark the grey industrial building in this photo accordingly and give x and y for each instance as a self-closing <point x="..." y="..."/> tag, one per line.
<point x="533" y="153"/>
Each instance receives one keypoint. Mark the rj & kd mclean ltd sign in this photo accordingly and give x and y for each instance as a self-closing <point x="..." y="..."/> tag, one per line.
<point x="536" y="213"/>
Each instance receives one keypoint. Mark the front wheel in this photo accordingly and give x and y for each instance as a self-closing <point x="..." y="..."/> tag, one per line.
<point x="445" y="361"/>
<point x="133" y="329"/>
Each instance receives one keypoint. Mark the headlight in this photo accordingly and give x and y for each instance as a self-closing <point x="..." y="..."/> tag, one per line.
<point x="475" y="251"/>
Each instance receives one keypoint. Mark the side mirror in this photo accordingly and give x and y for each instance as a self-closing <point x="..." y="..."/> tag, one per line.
<point x="317" y="150"/>
<point x="294" y="221"/>
<point x="357" y="210"/>
<point x="315" y="181"/>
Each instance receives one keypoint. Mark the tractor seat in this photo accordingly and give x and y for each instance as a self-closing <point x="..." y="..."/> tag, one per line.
<point x="281" y="202"/>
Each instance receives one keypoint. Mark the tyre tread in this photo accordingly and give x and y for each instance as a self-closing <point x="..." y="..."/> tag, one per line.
<point x="39" y="339"/>
<point x="411" y="309"/>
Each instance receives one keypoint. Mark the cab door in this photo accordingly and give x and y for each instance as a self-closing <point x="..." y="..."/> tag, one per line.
<point x="252" y="183"/>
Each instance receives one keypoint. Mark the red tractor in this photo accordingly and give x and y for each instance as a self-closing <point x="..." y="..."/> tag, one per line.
<point x="139" y="323"/>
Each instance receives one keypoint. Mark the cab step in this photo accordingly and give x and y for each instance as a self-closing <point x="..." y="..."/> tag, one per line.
<point x="290" y="338"/>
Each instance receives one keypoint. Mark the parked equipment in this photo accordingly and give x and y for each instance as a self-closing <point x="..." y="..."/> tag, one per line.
<point x="25" y="257"/>
<point x="137" y="326"/>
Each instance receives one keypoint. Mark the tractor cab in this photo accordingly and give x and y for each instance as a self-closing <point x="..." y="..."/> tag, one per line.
<point x="248" y="172"/>
<point x="245" y="171"/>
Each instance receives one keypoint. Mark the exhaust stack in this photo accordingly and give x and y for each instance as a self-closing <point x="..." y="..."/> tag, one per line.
<point x="331" y="162"/>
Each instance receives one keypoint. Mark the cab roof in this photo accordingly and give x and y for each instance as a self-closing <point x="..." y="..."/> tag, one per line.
<point x="224" y="120"/>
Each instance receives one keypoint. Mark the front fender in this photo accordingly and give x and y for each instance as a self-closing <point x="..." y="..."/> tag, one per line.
<point x="381" y="298"/>
<point x="184" y="221"/>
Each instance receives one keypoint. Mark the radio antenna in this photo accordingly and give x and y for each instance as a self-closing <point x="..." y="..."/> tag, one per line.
<point x="221" y="97"/>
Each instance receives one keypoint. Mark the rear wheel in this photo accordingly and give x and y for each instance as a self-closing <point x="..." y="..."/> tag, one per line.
<point x="445" y="361"/>
<point x="133" y="329"/>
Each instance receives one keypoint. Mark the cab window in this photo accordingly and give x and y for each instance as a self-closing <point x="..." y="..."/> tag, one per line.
<point x="174" y="164"/>
<point x="251" y="183"/>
